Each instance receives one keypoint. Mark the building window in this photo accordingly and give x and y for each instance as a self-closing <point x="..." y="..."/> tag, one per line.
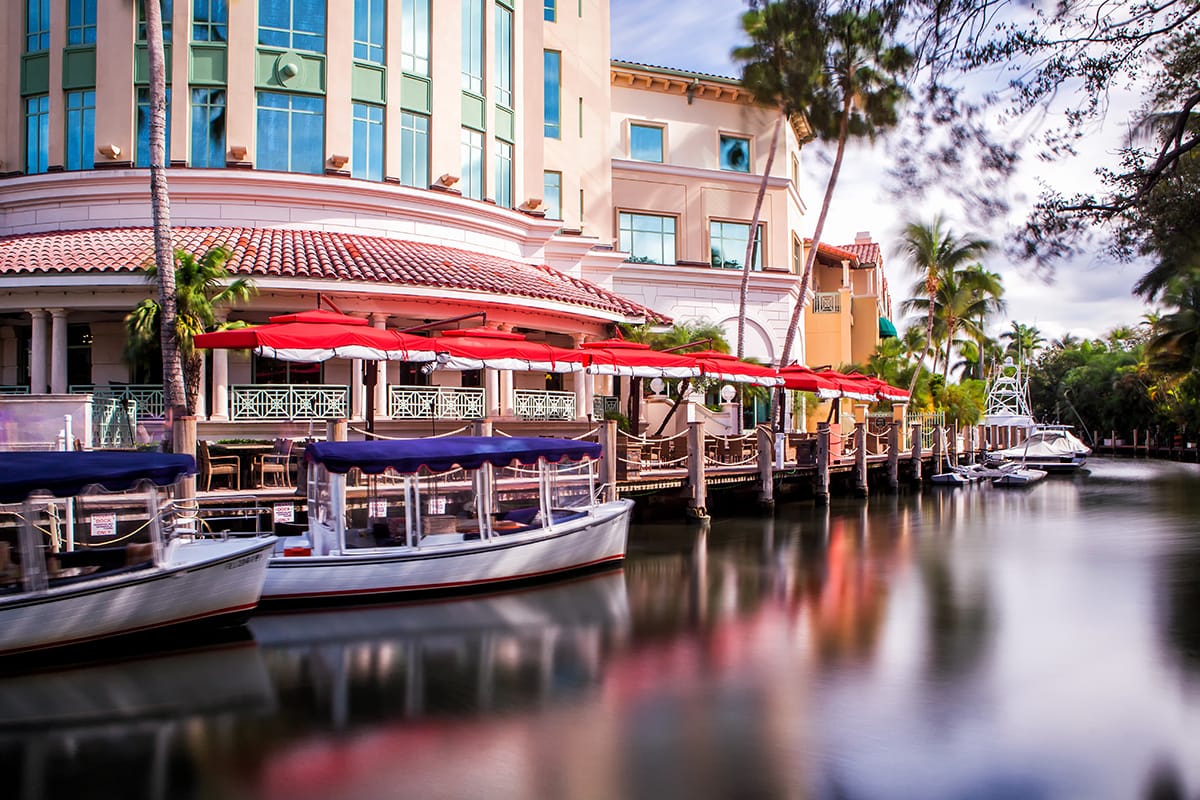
<point x="208" y="128"/>
<point x="367" y="161"/>
<point x="369" y="21"/>
<point x="504" y="174"/>
<point x="81" y="22"/>
<point x="291" y="132"/>
<point x="414" y="37"/>
<point x="553" y="91"/>
<point x="142" y="156"/>
<point x="727" y="241"/>
<point x="503" y="47"/>
<point x="552" y="194"/>
<point x="414" y="150"/>
<point x="472" y="46"/>
<point x="735" y="153"/>
<point x="270" y="370"/>
<point x="550" y="10"/>
<point x="648" y="238"/>
<point x="796" y="172"/>
<point x="292" y="24"/>
<point x="168" y="9"/>
<point x="81" y="129"/>
<point x="646" y="143"/>
<point x="37" y="133"/>
<point x="797" y="256"/>
<point x="210" y="20"/>
<point x="472" y="164"/>
<point x="37" y="26"/>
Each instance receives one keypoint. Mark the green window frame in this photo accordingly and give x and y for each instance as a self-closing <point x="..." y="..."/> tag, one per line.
<point x="414" y="37"/>
<point x="503" y="166"/>
<point x="472" y="46"/>
<point x="414" y="150"/>
<point x="552" y="87"/>
<point x="727" y="244"/>
<point x="210" y="21"/>
<point x="37" y="26"/>
<point x="81" y="129"/>
<point x="503" y="47"/>
<point x="81" y="22"/>
<point x="647" y="238"/>
<point x="208" y="127"/>
<point x="290" y="133"/>
<point x="37" y="134"/>
<point x="552" y="194"/>
<point x="472" y="164"/>
<point x="367" y="160"/>
<point x="292" y="24"/>
<point x="142" y="128"/>
<point x="370" y="29"/>
<point x="168" y="10"/>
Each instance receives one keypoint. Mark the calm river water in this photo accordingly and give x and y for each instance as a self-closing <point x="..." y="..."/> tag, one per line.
<point x="977" y="643"/>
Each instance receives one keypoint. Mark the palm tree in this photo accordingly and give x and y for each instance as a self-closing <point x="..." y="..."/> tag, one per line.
<point x="160" y="205"/>
<point x="782" y="68"/>
<point x="964" y="300"/>
<point x="1024" y="341"/>
<point x="203" y="285"/>
<point x="859" y="95"/>
<point x="1174" y="346"/>
<point x="933" y="250"/>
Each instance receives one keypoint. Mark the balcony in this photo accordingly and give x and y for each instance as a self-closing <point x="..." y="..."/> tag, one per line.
<point x="436" y="402"/>
<point x="827" y="303"/>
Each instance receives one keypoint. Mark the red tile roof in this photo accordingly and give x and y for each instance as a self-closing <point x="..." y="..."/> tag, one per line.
<point x="827" y="253"/>
<point x="868" y="253"/>
<point x="313" y="254"/>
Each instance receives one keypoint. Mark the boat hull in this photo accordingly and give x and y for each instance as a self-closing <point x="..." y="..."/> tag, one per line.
<point x="205" y="580"/>
<point x="588" y="542"/>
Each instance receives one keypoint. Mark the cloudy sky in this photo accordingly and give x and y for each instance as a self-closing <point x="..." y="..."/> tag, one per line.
<point x="1086" y="298"/>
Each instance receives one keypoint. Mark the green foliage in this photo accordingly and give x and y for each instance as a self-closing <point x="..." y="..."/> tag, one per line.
<point x="622" y="420"/>
<point x="680" y="334"/>
<point x="963" y="403"/>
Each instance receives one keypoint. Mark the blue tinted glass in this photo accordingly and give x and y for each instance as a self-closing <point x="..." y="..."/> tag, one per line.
<point x="37" y="25"/>
<point x="309" y="23"/>
<point x="142" y="157"/>
<point x="646" y="143"/>
<point x="735" y="153"/>
<point x="549" y="10"/>
<point x="210" y="20"/>
<point x="81" y="130"/>
<point x="367" y="158"/>
<point x="272" y="135"/>
<point x="503" y="166"/>
<point x="308" y="135"/>
<point x="503" y="51"/>
<point x="208" y="128"/>
<point x="37" y="134"/>
<point x="553" y="111"/>
<point x="552" y="195"/>
<point x="414" y="150"/>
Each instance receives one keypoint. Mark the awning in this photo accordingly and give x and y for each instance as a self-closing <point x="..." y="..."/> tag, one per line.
<point x="856" y="387"/>
<point x="887" y="329"/>
<point x="726" y="367"/>
<point x="319" y="335"/>
<point x="802" y="379"/>
<point x="64" y="474"/>
<point x="634" y="359"/>
<point x="477" y="348"/>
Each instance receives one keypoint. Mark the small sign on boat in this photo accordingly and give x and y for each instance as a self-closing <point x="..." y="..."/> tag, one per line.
<point x="377" y="507"/>
<point x="437" y="505"/>
<point x="284" y="512"/>
<point x="104" y="525"/>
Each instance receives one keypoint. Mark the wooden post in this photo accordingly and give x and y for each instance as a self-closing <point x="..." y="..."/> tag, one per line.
<point x="481" y="427"/>
<point x="860" y="459"/>
<point x="698" y="503"/>
<point x="336" y="430"/>
<point x="939" y="449"/>
<point x="822" y="487"/>
<point x="893" y="454"/>
<point x="608" y="458"/>
<point x="183" y="440"/>
<point x="765" y="439"/>
<point x="981" y="444"/>
<point x="916" y="451"/>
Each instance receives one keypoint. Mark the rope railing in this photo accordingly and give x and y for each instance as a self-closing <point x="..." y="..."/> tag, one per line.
<point x="371" y="435"/>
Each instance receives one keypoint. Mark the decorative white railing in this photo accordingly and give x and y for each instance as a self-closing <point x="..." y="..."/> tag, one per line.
<point x="532" y="404"/>
<point x="928" y="423"/>
<point x="283" y="401"/>
<point x="148" y="397"/>
<point x="827" y="303"/>
<point x="114" y="422"/>
<point x="436" y="402"/>
<point x="603" y="403"/>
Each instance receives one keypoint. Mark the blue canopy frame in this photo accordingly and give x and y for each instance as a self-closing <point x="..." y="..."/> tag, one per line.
<point x="439" y="455"/>
<point x="65" y="474"/>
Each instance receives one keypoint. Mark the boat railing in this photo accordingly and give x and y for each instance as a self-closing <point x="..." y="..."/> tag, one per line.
<point x="236" y="515"/>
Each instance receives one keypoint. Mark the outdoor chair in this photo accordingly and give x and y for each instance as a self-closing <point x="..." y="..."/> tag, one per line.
<point x="277" y="464"/>
<point x="217" y="466"/>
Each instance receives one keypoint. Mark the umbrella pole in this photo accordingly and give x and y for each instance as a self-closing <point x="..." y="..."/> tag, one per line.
<point x="370" y="378"/>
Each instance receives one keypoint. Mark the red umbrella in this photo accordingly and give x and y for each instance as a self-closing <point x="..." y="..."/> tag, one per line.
<point x="726" y="367"/>
<point x="619" y="357"/>
<point x="803" y="379"/>
<point x="319" y="335"/>
<point x="476" y="348"/>
<point x="856" y="386"/>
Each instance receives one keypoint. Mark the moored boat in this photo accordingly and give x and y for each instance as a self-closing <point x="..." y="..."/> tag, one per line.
<point x="444" y="515"/>
<point x="1052" y="448"/>
<point x="78" y="566"/>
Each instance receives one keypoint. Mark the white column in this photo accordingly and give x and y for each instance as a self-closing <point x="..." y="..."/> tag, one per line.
<point x="37" y="352"/>
<point x="585" y="394"/>
<point x="379" y="320"/>
<point x="507" y="397"/>
<point x="356" y="388"/>
<point x="58" y="351"/>
<point x="220" y="365"/>
<point x="491" y="392"/>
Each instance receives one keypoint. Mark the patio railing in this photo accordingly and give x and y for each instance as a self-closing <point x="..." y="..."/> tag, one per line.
<point x="436" y="402"/>
<point x="283" y="401"/>
<point x="148" y="397"/>
<point x="13" y="389"/>
<point x="603" y="403"/>
<point x="532" y="404"/>
<point x="827" y="303"/>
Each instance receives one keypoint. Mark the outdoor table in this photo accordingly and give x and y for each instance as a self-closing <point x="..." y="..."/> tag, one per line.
<point x="246" y="452"/>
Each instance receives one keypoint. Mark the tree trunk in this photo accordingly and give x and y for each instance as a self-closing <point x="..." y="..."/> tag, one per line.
<point x="931" y="290"/>
<point x="749" y="262"/>
<point x="164" y="254"/>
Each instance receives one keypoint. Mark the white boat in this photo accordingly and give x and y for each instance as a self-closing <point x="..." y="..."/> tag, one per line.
<point x="1013" y="474"/>
<point x="446" y="514"/>
<point x="1053" y="448"/>
<point x="78" y="567"/>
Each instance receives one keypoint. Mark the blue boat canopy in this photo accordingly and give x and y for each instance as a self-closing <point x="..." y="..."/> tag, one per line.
<point x="439" y="455"/>
<point x="69" y="473"/>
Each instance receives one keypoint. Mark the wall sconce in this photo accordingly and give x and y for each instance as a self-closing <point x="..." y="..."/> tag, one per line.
<point x="337" y="162"/>
<point x="110" y="150"/>
<point x="237" y="152"/>
<point x="531" y="204"/>
<point x="447" y="180"/>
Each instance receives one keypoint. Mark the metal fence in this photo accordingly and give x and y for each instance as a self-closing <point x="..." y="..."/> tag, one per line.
<point x="436" y="402"/>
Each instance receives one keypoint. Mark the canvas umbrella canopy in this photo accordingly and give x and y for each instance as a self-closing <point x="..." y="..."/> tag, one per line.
<point x="477" y="348"/>
<point x="637" y="360"/>
<point x="319" y="335"/>
<point x="727" y="367"/>
<point x="803" y="379"/>
<point x="856" y="387"/>
<point x="886" y="391"/>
